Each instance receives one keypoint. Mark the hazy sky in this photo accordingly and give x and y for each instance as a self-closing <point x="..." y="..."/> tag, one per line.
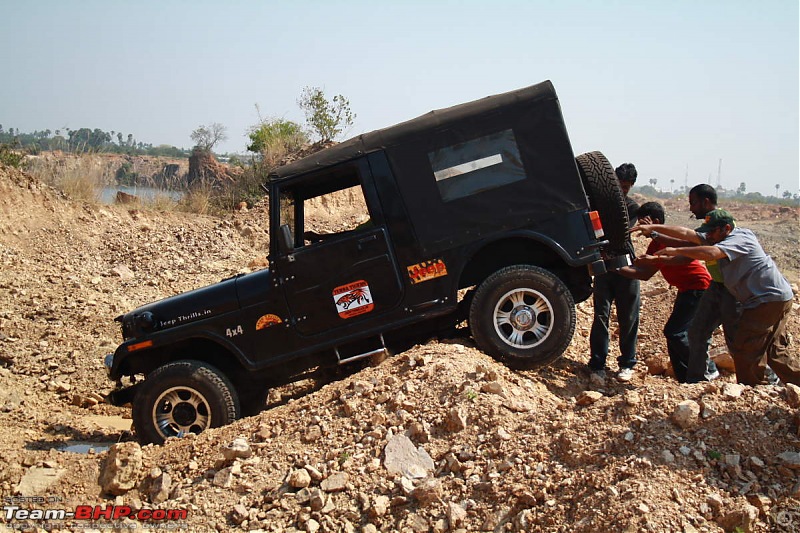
<point x="667" y="85"/>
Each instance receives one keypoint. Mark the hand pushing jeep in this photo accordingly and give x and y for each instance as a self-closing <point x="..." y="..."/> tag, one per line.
<point x="485" y="200"/>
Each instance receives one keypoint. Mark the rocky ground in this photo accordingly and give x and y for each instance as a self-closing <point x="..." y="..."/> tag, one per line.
<point x="438" y="438"/>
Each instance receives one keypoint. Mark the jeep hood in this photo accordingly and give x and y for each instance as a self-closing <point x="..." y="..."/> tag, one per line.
<point x="185" y="308"/>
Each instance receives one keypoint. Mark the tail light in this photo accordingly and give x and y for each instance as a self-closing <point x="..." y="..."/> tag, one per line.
<point x="597" y="224"/>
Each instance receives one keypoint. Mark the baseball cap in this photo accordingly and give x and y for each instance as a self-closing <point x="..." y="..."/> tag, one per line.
<point x="716" y="219"/>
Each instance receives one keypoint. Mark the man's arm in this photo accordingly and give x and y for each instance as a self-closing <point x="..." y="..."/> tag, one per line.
<point x="667" y="240"/>
<point x="659" y="261"/>
<point x="638" y="271"/>
<point x="703" y="253"/>
<point x="677" y="232"/>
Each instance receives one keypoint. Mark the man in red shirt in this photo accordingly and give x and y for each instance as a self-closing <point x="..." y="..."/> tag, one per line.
<point x="688" y="275"/>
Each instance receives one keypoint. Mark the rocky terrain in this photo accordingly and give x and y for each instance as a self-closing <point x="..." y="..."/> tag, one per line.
<point x="437" y="438"/>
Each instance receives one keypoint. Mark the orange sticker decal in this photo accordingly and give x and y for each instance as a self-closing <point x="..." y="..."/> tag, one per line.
<point x="426" y="270"/>
<point x="267" y="321"/>
<point x="353" y="299"/>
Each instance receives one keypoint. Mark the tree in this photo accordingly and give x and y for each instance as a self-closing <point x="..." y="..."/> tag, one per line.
<point x="787" y="194"/>
<point x="653" y="182"/>
<point x="326" y="119"/>
<point x="742" y="188"/>
<point x="205" y="137"/>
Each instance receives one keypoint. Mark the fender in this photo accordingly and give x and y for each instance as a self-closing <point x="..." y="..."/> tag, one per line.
<point x="167" y="339"/>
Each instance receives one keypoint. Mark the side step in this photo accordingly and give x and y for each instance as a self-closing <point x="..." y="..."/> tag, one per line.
<point x="347" y="358"/>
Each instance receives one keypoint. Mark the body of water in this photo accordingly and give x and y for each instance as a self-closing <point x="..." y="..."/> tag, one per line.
<point x="145" y="194"/>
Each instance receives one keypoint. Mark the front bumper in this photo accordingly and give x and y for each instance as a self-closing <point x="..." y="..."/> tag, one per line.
<point x="122" y="396"/>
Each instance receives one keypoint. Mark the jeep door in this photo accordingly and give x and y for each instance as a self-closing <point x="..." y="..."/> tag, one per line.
<point x="347" y="276"/>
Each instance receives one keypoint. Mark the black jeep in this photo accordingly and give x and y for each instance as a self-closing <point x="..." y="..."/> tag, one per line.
<point x="479" y="211"/>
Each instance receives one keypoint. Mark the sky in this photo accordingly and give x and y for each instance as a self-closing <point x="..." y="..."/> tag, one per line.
<point x="689" y="91"/>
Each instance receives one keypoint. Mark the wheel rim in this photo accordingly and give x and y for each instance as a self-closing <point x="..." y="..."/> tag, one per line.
<point x="181" y="410"/>
<point x="523" y="318"/>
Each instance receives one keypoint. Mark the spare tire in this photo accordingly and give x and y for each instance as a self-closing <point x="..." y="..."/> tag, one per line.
<point x="605" y="197"/>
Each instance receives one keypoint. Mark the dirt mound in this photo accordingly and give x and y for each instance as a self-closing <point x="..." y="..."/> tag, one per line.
<point x="203" y="167"/>
<point x="438" y="438"/>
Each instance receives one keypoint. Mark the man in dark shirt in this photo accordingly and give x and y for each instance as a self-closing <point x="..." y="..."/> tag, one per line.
<point x="611" y="287"/>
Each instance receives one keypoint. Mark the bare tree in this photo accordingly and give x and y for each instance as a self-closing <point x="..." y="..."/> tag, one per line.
<point x="205" y="137"/>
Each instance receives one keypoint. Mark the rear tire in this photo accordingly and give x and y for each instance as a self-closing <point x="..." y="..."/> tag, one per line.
<point x="605" y="197"/>
<point x="183" y="397"/>
<point x="523" y="316"/>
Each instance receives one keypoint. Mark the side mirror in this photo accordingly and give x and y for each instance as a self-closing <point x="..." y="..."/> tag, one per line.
<point x="285" y="241"/>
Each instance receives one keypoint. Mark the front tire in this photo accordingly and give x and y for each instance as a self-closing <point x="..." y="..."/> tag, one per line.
<point x="523" y="316"/>
<point x="183" y="397"/>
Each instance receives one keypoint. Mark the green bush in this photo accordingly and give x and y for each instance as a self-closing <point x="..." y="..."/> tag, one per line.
<point x="274" y="138"/>
<point x="11" y="157"/>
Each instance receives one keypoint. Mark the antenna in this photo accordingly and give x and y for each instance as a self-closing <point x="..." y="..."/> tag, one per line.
<point x="686" y="178"/>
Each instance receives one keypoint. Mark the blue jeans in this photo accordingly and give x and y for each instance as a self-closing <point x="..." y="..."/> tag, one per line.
<point x="716" y="307"/>
<point x="676" y="330"/>
<point x="609" y="288"/>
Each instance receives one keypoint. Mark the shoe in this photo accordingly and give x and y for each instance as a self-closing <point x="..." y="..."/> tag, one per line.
<point x="712" y="376"/>
<point x="626" y="374"/>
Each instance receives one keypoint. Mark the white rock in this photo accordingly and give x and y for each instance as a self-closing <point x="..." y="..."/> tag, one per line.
<point x="238" y="449"/>
<point x="299" y="479"/>
<point x="336" y="482"/>
<point x="120" y="471"/>
<point x="792" y="395"/>
<point x="686" y="414"/>
<point x="400" y="455"/>
<point x="732" y="391"/>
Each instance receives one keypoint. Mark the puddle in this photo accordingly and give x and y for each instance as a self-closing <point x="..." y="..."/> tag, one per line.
<point x="85" y="447"/>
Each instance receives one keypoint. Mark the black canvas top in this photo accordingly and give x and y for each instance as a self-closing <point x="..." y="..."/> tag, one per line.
<point x="424" y="125"/>
<point x="468" y="171"/>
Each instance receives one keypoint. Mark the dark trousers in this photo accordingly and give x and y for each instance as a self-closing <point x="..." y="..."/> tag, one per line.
<point x="760" y="338"/>
<point x="716" y="307"/>
<point x="676" y="330"/>
<point x="610" y="288"/>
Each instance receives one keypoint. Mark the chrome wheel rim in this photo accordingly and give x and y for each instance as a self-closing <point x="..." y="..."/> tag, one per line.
<point x="181" y="410"/>
<point x="523" y="318"/>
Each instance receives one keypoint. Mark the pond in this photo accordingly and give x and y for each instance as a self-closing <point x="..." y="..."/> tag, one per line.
<point x="144" y="194"/>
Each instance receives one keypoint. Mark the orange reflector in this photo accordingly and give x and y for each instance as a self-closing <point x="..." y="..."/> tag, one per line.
<point x="140" y="345"/>
<point x="597" y="225"/>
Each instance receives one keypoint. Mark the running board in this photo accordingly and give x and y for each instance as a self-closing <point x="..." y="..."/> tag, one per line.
<point x="361" y="355"/>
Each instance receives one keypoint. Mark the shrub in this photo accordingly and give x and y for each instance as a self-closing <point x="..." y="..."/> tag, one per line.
<point x="81" y="178"/>
<point x="10" y="157"/>
<point x="274" y="138"/>
<point x="198" y="199"/>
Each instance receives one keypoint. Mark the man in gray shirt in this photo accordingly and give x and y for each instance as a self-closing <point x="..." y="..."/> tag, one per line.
<point x="753" y="279"/>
